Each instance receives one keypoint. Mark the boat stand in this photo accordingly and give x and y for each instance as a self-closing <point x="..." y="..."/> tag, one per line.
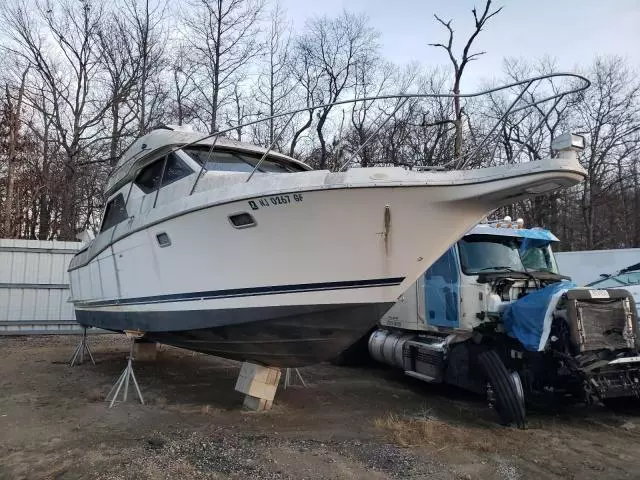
<point x="81" y="348"/>
<point x="126" y="375"/>
<point x="288" y="382"/>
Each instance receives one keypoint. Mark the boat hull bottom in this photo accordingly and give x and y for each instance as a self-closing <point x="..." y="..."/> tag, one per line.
<point x="298" y="336"/>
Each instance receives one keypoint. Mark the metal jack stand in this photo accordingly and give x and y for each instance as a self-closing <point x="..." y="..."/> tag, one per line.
<point x="127" y="374"/>
<point x="287" y="378"/>
<point x="82" y="347"/>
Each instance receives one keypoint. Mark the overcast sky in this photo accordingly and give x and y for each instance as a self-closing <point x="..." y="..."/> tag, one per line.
<point x="571" y="31"/>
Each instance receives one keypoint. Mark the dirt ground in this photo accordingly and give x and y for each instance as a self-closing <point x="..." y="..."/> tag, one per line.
<point x="349" y="423"/>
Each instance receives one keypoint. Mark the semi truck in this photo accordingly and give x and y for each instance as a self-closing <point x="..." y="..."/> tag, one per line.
<point x="493" y="315"/>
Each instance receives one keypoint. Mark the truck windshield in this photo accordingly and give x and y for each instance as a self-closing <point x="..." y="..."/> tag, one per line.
<point x="495" y="253"/>
<point x="489" y="253"/>
<point x="537" y="256"/>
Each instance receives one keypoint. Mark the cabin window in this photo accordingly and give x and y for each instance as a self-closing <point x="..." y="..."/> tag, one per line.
<point x="226" y="161"/>
<point x="115" y="213"/>
<point x="220" y="161"/>
<point x="149" y="177"/>
<point x="621" y="280"/>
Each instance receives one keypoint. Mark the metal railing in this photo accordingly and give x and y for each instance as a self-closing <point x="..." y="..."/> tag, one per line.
<point x="517" y="105"/>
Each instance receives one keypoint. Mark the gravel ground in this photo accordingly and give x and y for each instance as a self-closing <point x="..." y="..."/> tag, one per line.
<point x="350" y="423"/>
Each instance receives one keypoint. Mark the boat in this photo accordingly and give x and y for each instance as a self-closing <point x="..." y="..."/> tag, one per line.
<point x="627" y="279"/>
<point x="239" y="251"/>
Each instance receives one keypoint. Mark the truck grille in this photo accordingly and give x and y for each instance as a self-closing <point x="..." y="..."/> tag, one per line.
<point x="602" y="319"/>
<point x="602" y="325"/>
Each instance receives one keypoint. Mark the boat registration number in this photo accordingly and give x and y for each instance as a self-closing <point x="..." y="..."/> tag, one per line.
<point x="275" y="201"/>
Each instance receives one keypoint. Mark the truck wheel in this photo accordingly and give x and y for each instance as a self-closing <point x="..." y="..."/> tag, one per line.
<point x="504" y="391"/>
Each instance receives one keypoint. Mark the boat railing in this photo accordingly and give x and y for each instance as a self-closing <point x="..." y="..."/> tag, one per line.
<point x="487" y="143"/>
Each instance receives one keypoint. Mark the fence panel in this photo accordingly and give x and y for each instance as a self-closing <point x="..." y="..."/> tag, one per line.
<point x="34" y="287"/>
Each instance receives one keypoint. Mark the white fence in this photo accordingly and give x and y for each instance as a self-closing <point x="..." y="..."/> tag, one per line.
<point x="34" y="287"/>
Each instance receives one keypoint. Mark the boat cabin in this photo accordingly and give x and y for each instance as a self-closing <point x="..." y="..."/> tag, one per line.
<point x="156" y="170"/>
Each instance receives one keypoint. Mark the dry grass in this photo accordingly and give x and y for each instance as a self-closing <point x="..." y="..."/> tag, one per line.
<point x="427" y="431"/>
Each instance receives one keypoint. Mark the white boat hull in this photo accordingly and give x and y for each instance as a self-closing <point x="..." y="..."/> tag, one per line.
<point x="314" y="274"/>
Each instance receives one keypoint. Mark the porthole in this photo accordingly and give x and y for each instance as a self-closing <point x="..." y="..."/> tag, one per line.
<point x="163" y="239"/>
<point x="242" y="220"/>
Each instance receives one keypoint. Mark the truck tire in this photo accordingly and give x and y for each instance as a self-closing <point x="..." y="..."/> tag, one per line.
<point x="509" y="403"/>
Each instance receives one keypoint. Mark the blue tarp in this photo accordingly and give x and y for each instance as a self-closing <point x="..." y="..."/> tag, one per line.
<point x="529" y="319"/>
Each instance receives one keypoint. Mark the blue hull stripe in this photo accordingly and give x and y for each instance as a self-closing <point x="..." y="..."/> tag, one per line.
<point x="245" y="292"/>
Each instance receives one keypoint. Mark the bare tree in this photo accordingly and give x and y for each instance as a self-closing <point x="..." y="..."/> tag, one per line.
<point x="240" y="112"/>
<point x="275" y="84"/>
<point x="460" y="65"/>
<point x="372" y="77"/>
<point x="67" y="68"/>
<point x="332" y="47"/>
<point x="147" y="26"/>
<point x="13" y="114"/>
<point x="224" y="36"/>
<point x="306" y="85"/>
<point x="183" y="69"/>
<point x="123" y="70"/>
<point x="610" y="113"/>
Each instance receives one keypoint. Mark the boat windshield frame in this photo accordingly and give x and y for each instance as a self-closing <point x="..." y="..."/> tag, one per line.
<point x="620" y="278"/>
<point x="487" y="145"/>
<point x="272" y="164"/>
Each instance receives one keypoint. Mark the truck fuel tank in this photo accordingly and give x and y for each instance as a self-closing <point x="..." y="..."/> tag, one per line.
<point x="419" y="356"/>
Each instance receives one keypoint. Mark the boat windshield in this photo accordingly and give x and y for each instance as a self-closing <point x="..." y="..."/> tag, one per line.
<point x="235" y="161"/>
<point x="620" y="280"/>
<point x="490" y="253"/>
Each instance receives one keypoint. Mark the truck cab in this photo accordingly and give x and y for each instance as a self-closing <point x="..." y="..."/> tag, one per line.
<point x="477" y="277"/>
<point x="493" y="315"/>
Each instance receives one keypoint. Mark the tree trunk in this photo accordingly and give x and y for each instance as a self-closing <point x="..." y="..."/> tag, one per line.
<point x="144" y="74"/>
<point x="636" y="197"/>
<point x="44" y="226"/>
<point x="7" y="223"/>
<point x="113" y="143"/>
<point x="216" y="72"/>
<point x="68" y="214"/>
<point x="14" y="132"/>
<point x="623" y="205"/>
<point x="323" y="143"/>
<point x="298" y="133"/>
<point x="178" y="99"/>
<point x="457" y="145"/>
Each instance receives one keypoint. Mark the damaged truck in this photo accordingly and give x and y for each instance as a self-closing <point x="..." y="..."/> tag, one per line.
<point x="493" y="315"/>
